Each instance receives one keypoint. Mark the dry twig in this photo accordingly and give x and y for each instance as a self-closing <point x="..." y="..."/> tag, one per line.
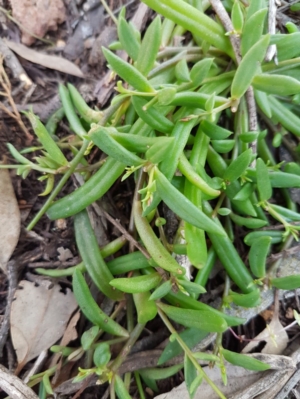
<point x="14" y="113"/>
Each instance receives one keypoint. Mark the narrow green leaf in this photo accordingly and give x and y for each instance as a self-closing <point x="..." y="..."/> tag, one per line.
<point x="128" y="72"/>
<point x="46" y="140"/>
<point x="90" y="308"/>
<point x="154" y="246"/>
<point x="134" y="285"/>
<point x="152" y="116"/>
<point x="161" y="291"/>
<point x="238" y="166"/>
<point x="182" y="72"/>
<point x="286" y="283"/>
<point x="120" y="388"/>
<point x="202" y="319"/>
<point x="128" y="38"/>
<point x="214" y="131"/>
<point x="161" y="373"/>
<point x="200" y="71"/>
<point x="183" y="207"/>
<point x="244" y="361"/>
<point x="88" y="337"/>
<point x="275" y="235"/>
<point x="101" y="137"/>
<point x="249" y="35"/>
<point x="237" y="16"/>
<point x="193" y="20"/>
<point x="263" y="181"/>
<point x="190" y="287"/>
<point x="223" y="146"/>
<point x="145" y="307"/>
<point x="258" y="256"/>
<point x="89" y="251"/>
<point x="149" y="48"/>
<point x="262" y="100"/>
<point x="249" y="67"/>
<point x="159" y="150"/>
<point x="191" y="337"/>
<point x="276" y="84"/>
<point x="190" y="374"/>
<point x="250" y="300"/>
<point x="18" y="157"/>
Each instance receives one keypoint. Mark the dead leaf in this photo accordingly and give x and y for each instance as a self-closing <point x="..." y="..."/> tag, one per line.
<point x="37" y="17"/>
<point x="10" y="219"/>
<point x="48" y="61"/>
<point x="274" y="335"/>
<point x="235" y="375"/>
<point x="39" y="316"/>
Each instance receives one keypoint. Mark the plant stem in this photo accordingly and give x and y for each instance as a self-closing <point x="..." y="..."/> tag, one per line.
<point x="136" y="332"/>
<point x="188" y="352"/>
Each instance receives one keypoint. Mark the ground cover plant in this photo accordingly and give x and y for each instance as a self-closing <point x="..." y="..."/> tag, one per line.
<point x="195" y="125"/>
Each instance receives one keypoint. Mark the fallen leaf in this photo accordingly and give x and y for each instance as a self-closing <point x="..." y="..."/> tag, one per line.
<point x="10" y="219"/>
<point x="275" y="336"/>
<point x="37" y="17"/>
<point x="48" y="61"/>
<point x="234" y="373"/>
<point x="39" y="316"/>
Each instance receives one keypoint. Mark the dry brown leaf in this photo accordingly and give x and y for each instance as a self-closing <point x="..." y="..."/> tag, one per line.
<point x="48" y="61"/>
<point x="275" y="336"/>
<point x="10" y="219"/>
<point x="37" y="17"/>
<point x="39" y="316"/>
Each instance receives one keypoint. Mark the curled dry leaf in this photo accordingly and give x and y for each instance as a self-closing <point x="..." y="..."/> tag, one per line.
<point x="39" y="316"/>
<point x="10" y="219"/>
<point x="275" y="336"/>
<point x="38" y="17"/>
<point x="48" y="61"/>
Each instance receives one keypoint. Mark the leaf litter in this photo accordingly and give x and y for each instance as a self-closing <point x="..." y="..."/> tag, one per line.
<point x="10" y="219"/>
<point x="39" y="317"/>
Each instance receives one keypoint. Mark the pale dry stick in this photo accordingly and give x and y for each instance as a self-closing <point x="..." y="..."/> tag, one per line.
<point x="271" y="52"/>
<point x="14" y="65"/>
<point x="235" y="41"/>
<point x="15" y="387"/>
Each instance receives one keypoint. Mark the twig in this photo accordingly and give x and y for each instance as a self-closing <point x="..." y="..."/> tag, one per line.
<point x="5" y="83"/>
<point x="12" y="285"/>
<point x="271" y="52"/>
<point x="14" y="65"/>
<point x="14" y="387"/>
<point x="122" y="229"/>
<point x="226" y="22"/>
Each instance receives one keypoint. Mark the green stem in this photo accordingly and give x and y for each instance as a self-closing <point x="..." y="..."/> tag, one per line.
<point x="188" y="352"/>
<point x="75" y="161"/>
<point x="134" y="335"/>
